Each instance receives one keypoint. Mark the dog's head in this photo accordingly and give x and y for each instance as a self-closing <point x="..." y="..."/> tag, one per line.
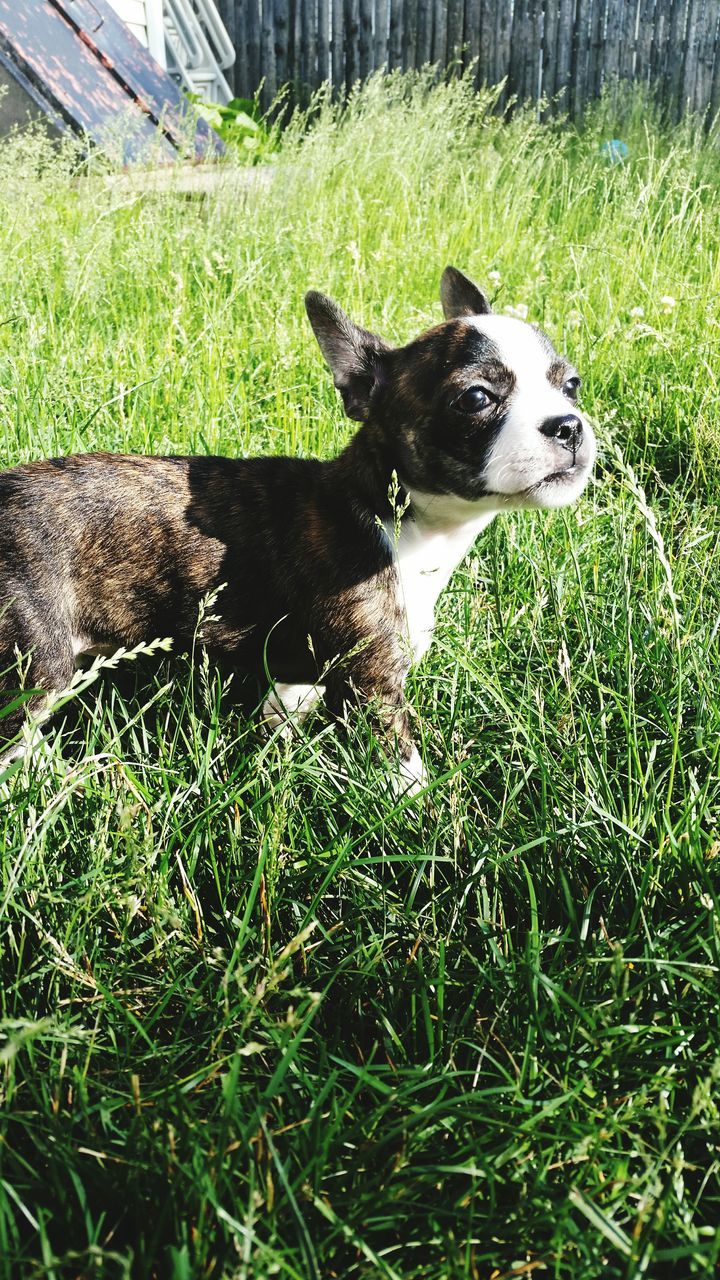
<point x="481" y="407"/>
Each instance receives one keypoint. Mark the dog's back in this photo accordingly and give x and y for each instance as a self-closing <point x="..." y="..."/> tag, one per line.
<point x="106" y="550"/>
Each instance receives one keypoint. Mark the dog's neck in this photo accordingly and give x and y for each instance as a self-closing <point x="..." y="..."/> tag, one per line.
<point x="428" y="542"/>
<point x="367" y="467"/>
<point x="370" y="469"/>
<point x="446" y="515"/>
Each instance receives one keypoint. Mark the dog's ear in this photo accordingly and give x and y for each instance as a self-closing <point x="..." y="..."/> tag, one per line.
<point x="354" y="356"/>
<point x="460" y="297"/>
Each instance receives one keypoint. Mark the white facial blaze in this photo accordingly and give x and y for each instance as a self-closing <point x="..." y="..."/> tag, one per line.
<point x="522" y="457"/>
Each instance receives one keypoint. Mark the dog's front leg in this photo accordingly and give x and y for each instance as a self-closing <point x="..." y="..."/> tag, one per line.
<point x="288" y="704"/>
<point x="374" y="676"/>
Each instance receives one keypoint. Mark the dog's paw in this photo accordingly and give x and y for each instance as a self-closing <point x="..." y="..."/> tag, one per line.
<point x="411" y="777"/>
<point x="287" y="705"/>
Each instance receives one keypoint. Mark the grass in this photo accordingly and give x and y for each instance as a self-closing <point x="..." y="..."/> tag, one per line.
<point x="262" y="1019"/>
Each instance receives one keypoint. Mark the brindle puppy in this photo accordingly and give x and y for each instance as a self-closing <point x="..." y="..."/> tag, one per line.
<point x="331" y="569"/>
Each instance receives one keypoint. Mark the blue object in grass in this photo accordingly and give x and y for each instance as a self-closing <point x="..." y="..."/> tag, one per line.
<point x="615" y="151"/>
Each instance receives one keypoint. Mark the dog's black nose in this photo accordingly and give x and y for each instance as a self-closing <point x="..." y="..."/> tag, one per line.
<point x="567" y="430"/>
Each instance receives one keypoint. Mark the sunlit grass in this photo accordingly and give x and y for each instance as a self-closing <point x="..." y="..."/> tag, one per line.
<point x="259" y="1017"/>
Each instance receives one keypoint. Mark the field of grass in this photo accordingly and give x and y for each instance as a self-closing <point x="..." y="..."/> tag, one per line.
<point x="259" y="1018"/>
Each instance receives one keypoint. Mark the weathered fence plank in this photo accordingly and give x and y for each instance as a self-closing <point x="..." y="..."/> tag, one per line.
<point x="252" y="32"/>
<point x="611" y="47"/>
<point x="483" y="39"/>
<point x="627" y="40"/>
<point x="692" y="42"/>
<point x="310" y="36"/>
<point x="643" y="44"/>
<point x="549" y="51"/>
<point x="563" y="51"/>
<point x="563" y="56"/>
<point x="382" y="15"/>
<point x="352" y="42"/>
<point x="338" y="45"/>
<point x="715" y="91"/>
<point x="471" y="35"/>
<point x="503" y="34"/>
<point x="409" y="37"/>
<point x="706" y="58"/>
<point x="579" y="50"/>
<point x="439" y="45"/>
<point x="396" y="34"/>
<point x="673" y="86"/>
<point x="323" y="41"/>
<point x="659" y="52"/>
<point x="455" y="22"/>
<point x="594" y="65"/>
<point x="281" y="27"/>
<point x="517" y="48"/>
<point x="240" y="74"/>
<point x="366" y="38"/>
<point x="425" y="31"/>
<point x="295" y="42"/>
<point x="267" y="52"/>
<point x="533" y="53"/>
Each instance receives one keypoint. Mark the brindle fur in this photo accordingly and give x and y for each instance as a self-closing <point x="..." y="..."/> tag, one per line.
<point x="111" y="550"/>
<point x="107" y="549"/>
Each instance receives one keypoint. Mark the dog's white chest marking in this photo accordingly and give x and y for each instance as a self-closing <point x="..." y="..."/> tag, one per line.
<point x="426" y="551"/>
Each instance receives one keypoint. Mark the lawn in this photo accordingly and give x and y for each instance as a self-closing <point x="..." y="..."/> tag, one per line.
<point x="260" y="1017"/>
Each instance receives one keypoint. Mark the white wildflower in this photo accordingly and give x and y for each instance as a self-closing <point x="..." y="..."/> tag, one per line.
<point x="637" y="313"/>
<point x="494" y="277"/>
<point x="668" y="303"/>
<point x="520" y="311"/>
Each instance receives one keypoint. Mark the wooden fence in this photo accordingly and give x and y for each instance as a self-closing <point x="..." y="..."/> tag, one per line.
<point x="543" y="48"/>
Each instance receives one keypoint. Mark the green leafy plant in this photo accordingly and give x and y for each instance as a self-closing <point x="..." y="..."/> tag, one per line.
<point x="242" y="126"/>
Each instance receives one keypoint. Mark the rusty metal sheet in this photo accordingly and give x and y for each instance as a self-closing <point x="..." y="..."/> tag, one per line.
<point x="118" y="49"/>
<point x="80" y="84"/>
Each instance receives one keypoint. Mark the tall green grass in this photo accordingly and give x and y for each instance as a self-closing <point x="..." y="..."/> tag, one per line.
<point x="258" y="1016"/>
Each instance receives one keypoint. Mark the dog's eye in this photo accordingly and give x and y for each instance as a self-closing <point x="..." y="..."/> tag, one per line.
<point x="571" y="388"/>
<point x="473" y="400"/>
